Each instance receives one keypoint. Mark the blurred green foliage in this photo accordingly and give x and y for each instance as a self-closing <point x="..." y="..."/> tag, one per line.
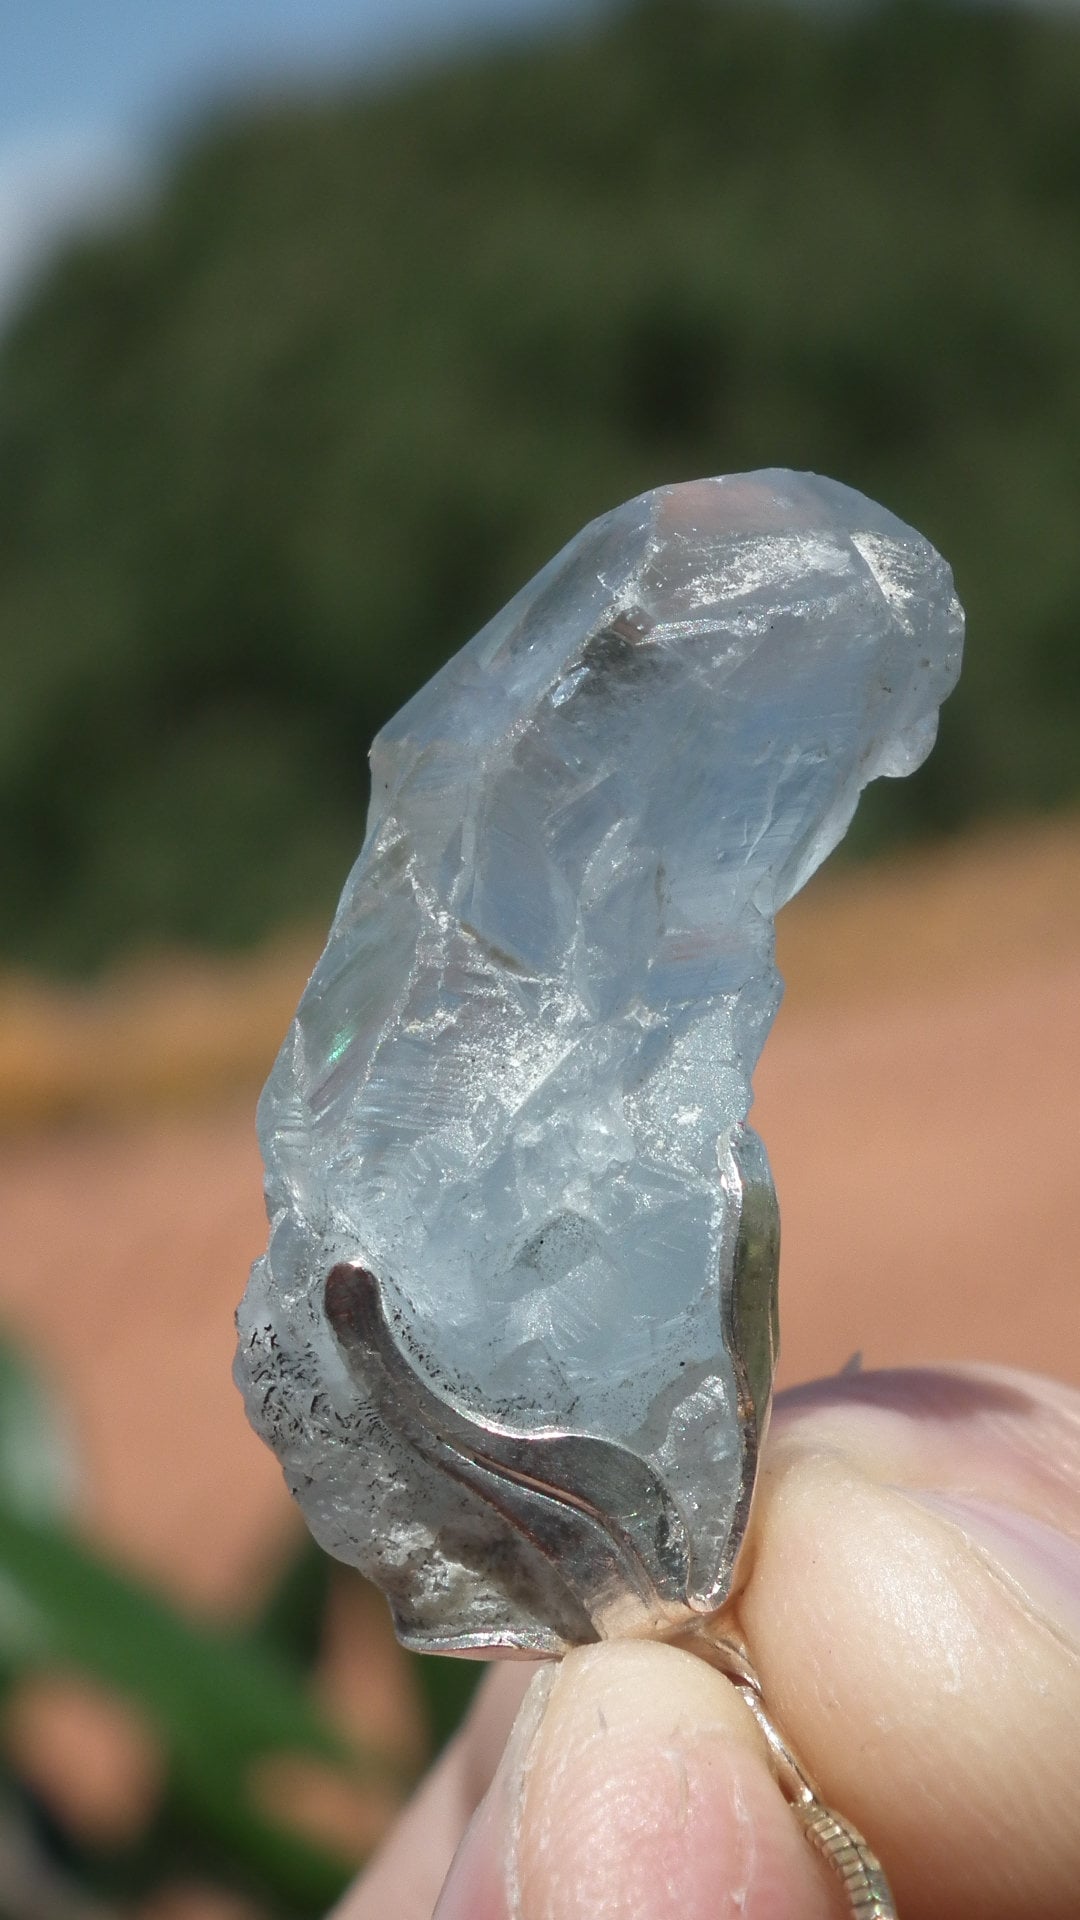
<point x="221" y="1703"/>
<point x="269" y="455"/>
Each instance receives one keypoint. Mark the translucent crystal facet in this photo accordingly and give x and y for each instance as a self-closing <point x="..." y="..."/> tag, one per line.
<point x="516" y="1087"/>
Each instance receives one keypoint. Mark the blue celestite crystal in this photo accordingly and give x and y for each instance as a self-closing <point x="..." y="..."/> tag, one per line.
<point x="516" y="1088"/>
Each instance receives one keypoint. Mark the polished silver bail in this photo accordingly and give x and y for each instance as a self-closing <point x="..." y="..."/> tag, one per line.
<point x="591" y="1544"/>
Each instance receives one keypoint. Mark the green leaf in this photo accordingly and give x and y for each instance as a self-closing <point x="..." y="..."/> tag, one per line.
<point x="446" y="1688"/>
<point x="290" y="1620"/>
<point x="220" y="1702"/>
<point x="37" y="1465"/>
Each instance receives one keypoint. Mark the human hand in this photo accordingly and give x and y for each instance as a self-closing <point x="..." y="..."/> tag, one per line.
<point x="913" y="1610"/>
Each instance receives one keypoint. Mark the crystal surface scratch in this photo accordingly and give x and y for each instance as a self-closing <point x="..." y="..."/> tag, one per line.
<point x="516" y="1088"/>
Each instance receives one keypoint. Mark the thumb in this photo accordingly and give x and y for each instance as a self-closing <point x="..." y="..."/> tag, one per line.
<point x="914" y="1612"/>
<point x="914" y="1615"/>
<point x="913" y="1609"/>
<point x="635" y="1783"/>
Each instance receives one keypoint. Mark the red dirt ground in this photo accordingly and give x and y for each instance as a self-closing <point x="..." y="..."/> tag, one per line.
<point x="919" y="1096"/>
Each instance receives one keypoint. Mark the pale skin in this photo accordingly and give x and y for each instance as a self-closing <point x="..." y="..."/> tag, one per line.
<point x="912" y="1604"/>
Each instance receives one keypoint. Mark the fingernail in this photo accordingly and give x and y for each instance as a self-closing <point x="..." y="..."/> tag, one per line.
<point x="479" y="1883"/>
<point x="1039" y="1563"/>
<point x="475" y="1887"/>
<point x="1002" y="1438"/>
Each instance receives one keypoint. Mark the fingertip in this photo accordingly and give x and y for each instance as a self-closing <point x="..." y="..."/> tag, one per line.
<point x="646" y="1790"/>
<point x="918" y="1672"/>
<point x="994" y="1430"/>
<point x="476" y="1886"/>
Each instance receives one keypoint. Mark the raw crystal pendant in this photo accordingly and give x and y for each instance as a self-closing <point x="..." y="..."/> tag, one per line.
<point x="515" y="1333"/>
